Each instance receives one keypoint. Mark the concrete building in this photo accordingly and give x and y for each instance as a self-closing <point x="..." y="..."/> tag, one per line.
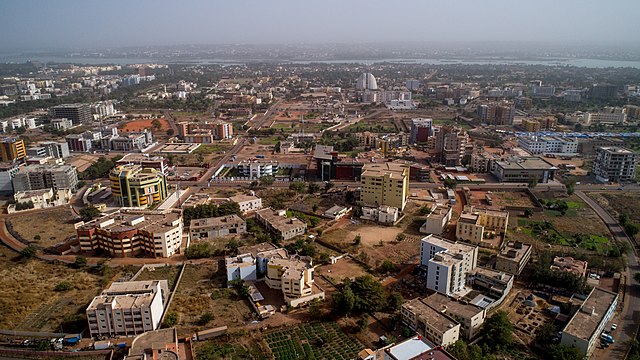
<point x="448" y="145"/>
<point x="608" y="118"/>
<point x="134" y="141"/>
<point x="255" y="169"/>
<point x="7" y="173"/>
<point x="12" y="149"/>
<point x="447" y="263"/>
<point x="587" y="324"/>
<point x="210" y="228"/>
<point x="277" y="222"/>
<point x="523" y="170"/>
<point x="513" y="257"/>
<point x="548" y="145"/>
<point x="474" y="225"/>
<point x="37" y="177"/>
<point x="497" y="283"/>
<point x="614" y="164"/>
<point x="437" y="220"/>
<point x="241" y="267"/>
<point x="415" y="348"/>
<point x="435" y="325"/>
<point x="247" y="203"/>
<point x="135" y="186"/>
<point x="128" y="233"/>
<point x="569" y="264"/>
<point x="79" y="143"/>
<point x="41" y="199"/>
<point x="336" y="212"/>
<point x="382" y="214"/>
<point x="421" y="129"/>
<point x="469" y="316"/>
<point x="366" y="81"/>
<point x="159" y="163"/>
<point x="496" y="113"/>
<point x="61" y="124"/>
<point x="77" y="113"/>
<point x="543" y="91"/>
<point x="385" y="184"/>
<point x="128" y="308"/>
<point x="531" y="125"/>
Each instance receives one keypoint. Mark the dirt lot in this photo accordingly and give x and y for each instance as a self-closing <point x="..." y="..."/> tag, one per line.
<point x="53" y="226"/>
<point x="82" y="162"/>
<point x="502" y="199"/>
<point x="141" y="124"/>
<point x="370" y="234"/>
<point x="169" y="273"/>
<point x="344" y="268"/>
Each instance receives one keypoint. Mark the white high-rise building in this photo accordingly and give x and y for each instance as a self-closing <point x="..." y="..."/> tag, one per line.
<point x="614" y="164"/>
<point x="367" y="81"/>
<point x="447" y="263"/>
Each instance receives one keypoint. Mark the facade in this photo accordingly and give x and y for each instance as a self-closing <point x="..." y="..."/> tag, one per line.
<point x="382" y="214"/>
<point x="128" y="233"/>
<point x="437" y="220"/>
<point x="497" y="283"/>
<point x="336" y="212"/>
<point x="548" y="145"/>
<point x="469" y="316"/>
<point x="523" y="170"/>
<point x="531" y="125"/>
<point x="37" y="177"/>
<point x="584" y="329"/>
<point x="135" y="186"/>
<point x="611" y="118"/>
<point x="79" y="143"/>
<point x="438" y="327"/>
<point x="497" y="113"/>
<point x="448" y="145"/>
<point x="77" y="113"/>
<point x="447" y="263"/>
<point x="277" y="222"/>
<point x="513" y="257"/>
<point x="421" y="129"/>
<point x="12" y="149"/>
<point x="7" y="172"/>
<point x="474" y="224"/>
<point x="385" y="184"/>
<point x="257" y="169"/>
<point x="135" y="141"/>
<point x="210" y="228"/>
<point x="614" y="164"/>
<point x="569" y="264"/>
<point x="367" y="81"/>
<point x="247" y="203"/>
<point x="241" y="267"/>
<point x="128" y="308"/>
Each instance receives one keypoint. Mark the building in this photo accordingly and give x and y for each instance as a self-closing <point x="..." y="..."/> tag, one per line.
<point x="469" y="316"/>
<point x="366" y="81"/>
<point x="447" y="263"/>
<point x="277" y="222"/>
<point x="415" y="348"/>
<point x="614" y="164"/>
<point x="531" y="125"/>
<point x="548" y="145"/>
<point x="603" y="91"/>
<point x="255" y="169"/>
<point x="437" y="220"/>
<point x="435" y="325"/>
<point x="421" y="129"/>
<point x="135" y="186"/>
<point x="128" y="233"/>
<point x="128" y="308"/>
<point x="497" y="113"/>
<point x="385" y="184"/>
<point x="543" y="91"/>
<point x="497" y="283"/>
<point x="474" y="225"/>
<point x="610" y="118"/>
<point x="7" y="173"/>
<point x="524" y="170"/>
<point x="210" y="228"/>
<point x="77" y="113"/>
<point x="160" y="344"/>
<point x="241" y="268"/>
<point x="586" y="325"/>
<point x="247" y="203"/>
<point x="37" y="177"/>
<point x="336" y="212"/>
<point x="134" y="141"/>
<point x="12" y="149"/>
<point x="513" y="257"/>
<point x="382" y="214"/>
<point x="79" y="143"/>
<point x="40" y="199"/>
<point x="413" y="84"/>
<point x="448" y="145"/>
<point x="145" y="161"/>
<point x="571" y="265"/>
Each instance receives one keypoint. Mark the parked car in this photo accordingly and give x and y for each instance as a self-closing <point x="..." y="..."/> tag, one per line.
<point x="614" y="326"/>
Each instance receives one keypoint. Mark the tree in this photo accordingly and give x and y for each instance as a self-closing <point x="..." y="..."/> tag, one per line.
<point x="232" y="246"/>
<point x="89" y="213"/>
<point x="198" y="251"/>
<point x="344" y="301"/>
<point x="578" y="127"/>
<point x="28" y="252"/>
<point x="561" y="352"/>
<point x="394" y="301"/>
<point x="631" y="229"/>
<point x="362" y="322"/>
<point x="498" y="331"/>
<point x="386" y="266"/>
<point x="298" y="186"/>
<point x="450" y="183"/>
<point x="63" y="286"/>
<point x="636" y="276"/>
<point x="400" y="237"/>
<point x="313" y="188"/>
<point x="266" y="180"/>
<point x="357" y="240"/>
<point x="570" y="185"/>
<point x="205" y="318"/>
<point x="533" y="181"/>
<point x="171" y="319"/>
<point x="314" y="208"/>
<point x="528" y="212"/>
<point x="424" y="210"/>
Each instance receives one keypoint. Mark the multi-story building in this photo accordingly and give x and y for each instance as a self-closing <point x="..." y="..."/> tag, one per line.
<point x="7" y="173"/>
<point x="437" y="220"/>
<point x="61" y="124"/>
<point x="37" y="177"/>
<point x="385" y="184"/>
<point x="570" y="265"/>
<point x="611" y="118"/>
<point x="128" y="233"/>
<point x="277" y="222"/>
<point x="135" y="141"/>
<point x="128" y="308"/>
<point x="257" y="168"/>
<point x="448" y="145"/>
<point x="205" y="132"/>
<point x="79" y="143"/>
<point x="496" y="283"/>
<point x="247" y="203"/>
<point x="50" y="148"/>
<point x="587" y="324"/>
<point x="513" y="257"/>
<point x="497" y="113"/>
<point x="413" y="84"/>
<point x="474" y="224"/>
<point x="135" y="186"/>
<point x="524" y="170"/>
<point x="77" y="113"/>
<point x="447" y="263"/>
<point x="437" y="326"/>
<point x="12" y="149"/>
<point x="421" y="129"/>
<point x="415" y="348"/>
<point x="548" y="145"/>
<point x="603" y="91"/>
<point x="210" y="228"/>
<point x="241" y="267"/>
<point x="366" y="81"/>
<point x="382" y="214"/>
<point x="614" y="164"/>
<point x="545" y="91"/>
<point x="153" y="162"/>
<point x="531" y="125"/>
<point x="470" y="316"/>
<point x="482" y="162"/>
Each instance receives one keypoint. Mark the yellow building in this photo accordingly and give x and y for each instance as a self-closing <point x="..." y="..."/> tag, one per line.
<point x="385" y="184"/>
<point x="474" y="225"/>
<point x="12" y="149"/>
<point x="135" y="186"/>
<point x="293" y="276"/>
<point x="531" y="125"/>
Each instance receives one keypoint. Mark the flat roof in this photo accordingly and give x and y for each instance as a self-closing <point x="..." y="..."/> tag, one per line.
<point x="452" y="247"/>
<point x="282" y="223"/>
<point x="254" y="250"/>
<point x="242" y="198"/>
<point x="431" y="316"/>
<point x="395" y="170"/>
<point x="452" y="306"/>
<point x="616" y="150"/>
<point x="515" y="251"/>
<point x="409" y="348"/>
<point x="529" y="163"/>
<point x="215" y="221"/>
<point x="583" y="323"/>
<point x="148" y="220"/>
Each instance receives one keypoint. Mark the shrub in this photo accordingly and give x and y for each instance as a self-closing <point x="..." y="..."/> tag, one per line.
<point x="63" y="286"/>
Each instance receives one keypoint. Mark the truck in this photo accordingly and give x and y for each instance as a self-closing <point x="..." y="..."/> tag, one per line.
<point x="102" y="345"/>
<point x="72" y="339"/>
<point x="209" y="333"/>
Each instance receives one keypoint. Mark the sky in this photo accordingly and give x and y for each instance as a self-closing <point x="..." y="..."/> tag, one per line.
<point x="47" y="24"/>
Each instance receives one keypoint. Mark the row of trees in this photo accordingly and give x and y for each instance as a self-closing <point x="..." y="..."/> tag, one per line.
<point x="210" y="210"/>
<point x="99" y="169"/>
<point x="364" y="295"/>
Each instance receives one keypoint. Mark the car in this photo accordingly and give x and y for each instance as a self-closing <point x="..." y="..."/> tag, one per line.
<point x="614" y="326"/>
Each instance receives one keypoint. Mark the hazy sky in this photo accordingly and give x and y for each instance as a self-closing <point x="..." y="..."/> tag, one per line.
<point x="109" y="23"/>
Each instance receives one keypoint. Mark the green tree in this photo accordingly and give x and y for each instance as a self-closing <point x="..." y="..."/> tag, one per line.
<point x="89" y="213"/>
<point x="561" y="352"/>
<point x="528" y="212"/>
<point x="532" y="182"/>
<point x="357" y="240"/>
<point x="233" y="246"/>
<point x="171" y="319"/>
<point x="80" y="261"/>
<point x="394" y="301"/>
<point x="198" y="251"/>
<point x="205" y="318"/>
<point x="450" y="183"/>
<point x="362" y="323"/>
<point x="314" y="208"/>
<point x="63" y="286"/>
<point x="266" y="180"/>
<point x="424" y="210"/>
<point x="570" y="185"/>
<point x="28" y="252"/>
<point x="631" y="229"/>
<point x="298" y="186"/>
<point x="401" y="237"/>
<point x="498" y="331"/>
<point x="343" y="301"/>
<point x="313" y="188"/>
<point x="328" y="186"/>
<point x="386" y="266"/>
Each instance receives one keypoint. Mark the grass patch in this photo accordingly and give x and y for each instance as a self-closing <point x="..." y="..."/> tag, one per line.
<point x="271" y="140"/>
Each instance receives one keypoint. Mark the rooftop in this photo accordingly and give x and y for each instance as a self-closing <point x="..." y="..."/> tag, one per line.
<point x="439" y="212"/>
<point x="435" y="318"/>
<point x="452" y="247"/>
<point x="592" y="312"/>
<point x="254" y="250"/>
<point x="617" y="150"/>
<point x="409" y="348"/>
<point x="450" y="305"/>
<point x="127" y="220"/>
<point x="394" y="170"/>
<point x="215" y="221"/>
<point x="515" y="250"/>
<point x="280" y="222"/>
<point x="526" y="163"/>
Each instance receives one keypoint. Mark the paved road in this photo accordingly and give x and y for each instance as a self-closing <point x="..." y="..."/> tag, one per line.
<point x="630" y="313"/>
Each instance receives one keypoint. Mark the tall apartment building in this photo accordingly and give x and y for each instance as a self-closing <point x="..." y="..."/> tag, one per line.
<point x="277" y="222"/>
<point x="437" y="220"/>
<point x="497" y="114"/>
<point x="603" y="91"/>
<point x="135" y="186"/>
<point x="79" y="143"/>
<point x="37" y="177"/>
<point x="50" y="148"/>
<point x="474" y="224"/>
<point x="156" y="162"/>
<point x="531" y="125"/>
<point x="421" y="129"/>
<point x="366" y="81"/>
<point x="385" y="184"/>
<point x="12" y="149"/>
<point x="128" y="308"/>
<point x="614" y="164"/>
<point x="130" y="233"/>
<point x="210" y="228"/>
<point x="77" y="113"/>
<point x="438" y="327"/>
<point x="447" y="263"/>
<point x="513" y="257"/>
<point x="448" y="145"/>
<point x="611" y="118"/>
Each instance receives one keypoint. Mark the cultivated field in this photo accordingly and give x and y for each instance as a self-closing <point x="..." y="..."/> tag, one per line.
<point x="52" y="226"/>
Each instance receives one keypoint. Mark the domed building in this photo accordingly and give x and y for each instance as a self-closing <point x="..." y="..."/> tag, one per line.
<point x="367" y="81"/>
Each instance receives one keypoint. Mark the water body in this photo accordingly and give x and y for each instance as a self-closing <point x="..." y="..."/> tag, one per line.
<point x="586" y="63"/>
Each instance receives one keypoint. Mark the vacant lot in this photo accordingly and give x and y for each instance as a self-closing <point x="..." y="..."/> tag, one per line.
<point x="149" y="124"/>
<point x="167" y="272"/>
<point x="369" y="234"/>
<point x="344" y="268"/>
<point x="502" y="199"/>
<point x="51" y="226"/>
<point x="619" y="202"/>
